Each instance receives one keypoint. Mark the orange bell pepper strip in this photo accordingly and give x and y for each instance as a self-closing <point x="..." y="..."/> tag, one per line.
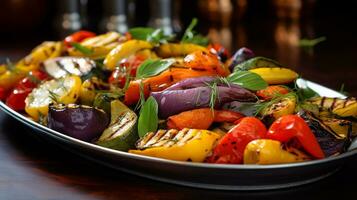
<point x="161" y="82"/>
<point x="202" y="60"/>
<point x="201" y="118"/>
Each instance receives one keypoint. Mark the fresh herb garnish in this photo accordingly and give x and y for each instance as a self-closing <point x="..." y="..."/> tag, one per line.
<point x="248" y="80"/>
<point x="148" y="119"/>
<point x="214" y="96"/>
<point x="190" y="35"/>
<point x="342" y="90"/>
<point x="151" y="35"/>
<point x="310" y="43"/>
<point x="53" y="96"/>
<point x="81" y="48"/>
<point x="10" y="66"/>
<point x="151" y="68"/>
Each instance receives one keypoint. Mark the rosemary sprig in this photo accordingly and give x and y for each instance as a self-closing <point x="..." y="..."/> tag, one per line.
<point x="53" y="96"/>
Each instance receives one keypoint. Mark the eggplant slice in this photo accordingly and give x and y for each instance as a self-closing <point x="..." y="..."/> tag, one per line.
<point x="333" y="135"/>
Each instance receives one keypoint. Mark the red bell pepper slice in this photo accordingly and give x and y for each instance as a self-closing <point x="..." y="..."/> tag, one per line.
<point x="290" y="127"/>
<point x="78" y="37"/>
<point x="230" y="149"/>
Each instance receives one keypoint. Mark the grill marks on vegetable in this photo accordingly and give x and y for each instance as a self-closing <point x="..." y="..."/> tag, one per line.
<point x="167" y="138"/>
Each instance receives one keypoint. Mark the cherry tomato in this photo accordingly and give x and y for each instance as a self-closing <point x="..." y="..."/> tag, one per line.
<point x="291" y="127"/>
<point x="16" y="99"/>
<point x="78" y="37"/>
<point x="272" y="91"/>
<point x="220" y="51"/>
<point x="230" y="149"/>
<point x="118" y="76"/>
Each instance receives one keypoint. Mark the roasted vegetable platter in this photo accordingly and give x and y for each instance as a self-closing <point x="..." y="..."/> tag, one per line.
<point x="157" y="105"/>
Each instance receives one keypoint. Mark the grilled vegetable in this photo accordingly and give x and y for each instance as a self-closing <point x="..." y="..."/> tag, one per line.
<point x="341" y="107"/>
<point x="16" y="99"/>
<point x="122" y="131"/>
<point x="173" y="101"/>
<point x="64" y="90"/>
<point x="123" y="51"/>
<point x="99" y="46"/>
<point x="281" y="106"/>
<point x="89" y="90"/>
<point x="203" y="60"/>
<point x="272" y="91"/>
<point x="78" y="36"/>
<point x="276" y="75"/>
<point x="290" y="127"/>
<point x="185" y="145"/>
<point x="160" y="82"/>
<point x="230" y="149"/>
<point x="333" y="135"/>
<point x="243" y="54"/>
<point x="265" y="152"/>
<point x="201" y="118"/>
<point x="77" y="121"/>
<point x="257" y="62"/>
<point x="222" y="53"/>
<point x="178" y="50"/>
<point x="62" y="66"/>
<point x="10" y="77"/>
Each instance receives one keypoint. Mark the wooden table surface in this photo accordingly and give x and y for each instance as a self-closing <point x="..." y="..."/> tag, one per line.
<point x="31" y="168"/>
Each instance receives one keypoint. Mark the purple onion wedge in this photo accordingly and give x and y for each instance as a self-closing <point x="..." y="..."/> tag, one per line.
<point x="182" y="97"/>
<point x="243" y="54"/>
<point x="78" y="121"/>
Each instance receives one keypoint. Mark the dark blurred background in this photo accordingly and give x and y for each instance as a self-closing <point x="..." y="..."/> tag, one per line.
<point x="272" y="28"/>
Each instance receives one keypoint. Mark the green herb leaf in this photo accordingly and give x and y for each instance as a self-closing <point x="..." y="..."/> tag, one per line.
<point x="310" y="43"/>
<point x="81" y="48"/>
<point x="153" y="67"/>
<point x="214" y="95"/>
<point x="305" y="93"/>
<point x="248" y="80"/>
<point x="148" y="119"/>
<point x="190" y="35"/>
<point x="141" y="33"/>
<point x="151" y="35"/>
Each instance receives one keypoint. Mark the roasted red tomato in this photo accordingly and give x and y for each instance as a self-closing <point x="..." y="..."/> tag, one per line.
<point x="78" y="37"/>
<point x="230" y="149"/>
<point x="118" y="76"/>
<point x="16" y="99"/>
<point x="292" y="127"/>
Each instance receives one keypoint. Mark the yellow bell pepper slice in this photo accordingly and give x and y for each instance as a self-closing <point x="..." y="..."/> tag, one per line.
<point x="46" y="50"/>
<point x="178" y="50"/>
<point x="285" y="106"/>
<point x="123" y="51"/>
<point x="265" y="151"/>
<point x="64" y="90"/>
<point x="185" y="145"/>
<point x="276" y="75"/>
<point x="100" y="45"/>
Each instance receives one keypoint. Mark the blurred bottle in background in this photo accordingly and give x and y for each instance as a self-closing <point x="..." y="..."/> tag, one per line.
<point x="68" y="18"/>
<point x="115" y="16"/>
<point x="164" y="15"/>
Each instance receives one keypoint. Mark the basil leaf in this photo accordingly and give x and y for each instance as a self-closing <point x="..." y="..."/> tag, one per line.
<point x="307" y="43"/>
<point x="246" y="108"/>
<point x="190" y="35"/>
<point x="306" y="93"/>
<point x="141" y="33"/>
<point x="81" y="48"/>
<point x="148" y="119"/>
<point x="153" y="67"/>
<point x="248" y="80"/>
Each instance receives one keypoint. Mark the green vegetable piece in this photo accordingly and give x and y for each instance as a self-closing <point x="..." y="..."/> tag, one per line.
<point x="122" y="131"/>
<point x="190" y="35"/>
<point x="248" y="80"/>
<point x="153" y="67"/>
<point x="103" y="101"/>
<point x="148" y="119"/>
<point x="141" y="33"/>
<point x="257" y="62"/>
<point x="81" y="48"/>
